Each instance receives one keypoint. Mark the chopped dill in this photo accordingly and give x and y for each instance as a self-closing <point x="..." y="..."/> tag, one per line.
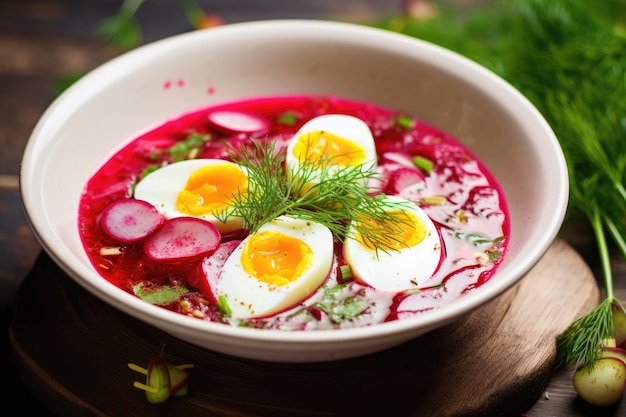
<point x="188" y="148"/>
<point x="222" y="303"/>
<point x="288" y="118"/>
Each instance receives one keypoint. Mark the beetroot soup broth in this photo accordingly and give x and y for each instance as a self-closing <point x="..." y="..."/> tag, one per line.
<point x="465" y="207"/>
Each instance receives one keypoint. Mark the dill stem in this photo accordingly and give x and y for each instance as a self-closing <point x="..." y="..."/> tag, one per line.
<point x="621" y="191"/>
<point x="617" y="236"/>
<point x="605" y="261"/>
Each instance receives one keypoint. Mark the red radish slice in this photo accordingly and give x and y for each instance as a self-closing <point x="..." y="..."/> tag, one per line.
<point x="182" y="238"/>
<point x="397" y="158"/>
<point x="130" y="220"/>
<point x="403" y="178"/>
<point x="212" y="268"/>
<point x="614" y="352"/>
<point x="239" y="122"/>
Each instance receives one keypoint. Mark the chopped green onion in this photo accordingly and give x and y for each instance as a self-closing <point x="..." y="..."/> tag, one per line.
<point x="196" y="139"/>
<point x="223" y="305"/>
<point x="346" y="273"/>
<point x="160" y="295"/>
<point x="423" y="163"/>
<point x="405" y="122"/>
<point x="150" y="169"/>
<point x="189" y="148"/>
<point x="288" y="118"/>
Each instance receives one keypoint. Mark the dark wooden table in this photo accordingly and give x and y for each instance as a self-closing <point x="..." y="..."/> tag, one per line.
<point x="41" y="42"/>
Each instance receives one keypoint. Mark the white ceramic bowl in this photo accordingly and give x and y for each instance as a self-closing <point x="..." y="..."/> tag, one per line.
<point x="127" y="95"/>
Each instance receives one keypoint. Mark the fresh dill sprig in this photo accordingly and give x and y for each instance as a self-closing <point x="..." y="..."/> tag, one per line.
<point x="582" y="342"/>
<point x="319" y="192"/>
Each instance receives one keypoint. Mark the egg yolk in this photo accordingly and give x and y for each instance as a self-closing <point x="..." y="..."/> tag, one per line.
<point x="323" y="147"/>
<point x="209" y="189"/>
<point x="402" y="229"/>
<point x="276" y="258"/>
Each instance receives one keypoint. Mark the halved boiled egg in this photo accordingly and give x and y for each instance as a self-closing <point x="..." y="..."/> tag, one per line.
<point x="398" y="254"/>
<point x="200" y="188"/>
<point x="280" y="265"/>
<point x="332" y="141"/>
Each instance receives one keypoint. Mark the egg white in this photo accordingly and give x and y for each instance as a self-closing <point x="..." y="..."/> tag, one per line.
<point x="396" y="270"/>
<point x="346" y="127"/>
<point x="161" y="187"/>
<point x="249" y="297"/>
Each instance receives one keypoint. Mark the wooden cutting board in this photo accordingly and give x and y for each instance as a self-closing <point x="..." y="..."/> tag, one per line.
<point x="72" y="350"/>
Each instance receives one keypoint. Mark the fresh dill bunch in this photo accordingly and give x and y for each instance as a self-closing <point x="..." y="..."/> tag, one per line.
<point x="568" y="57"/>
<point x="320" y="192"/>
<point x="580" y="90"/>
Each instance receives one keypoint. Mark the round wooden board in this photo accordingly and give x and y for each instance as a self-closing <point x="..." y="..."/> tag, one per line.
<point x="71" y="350"/>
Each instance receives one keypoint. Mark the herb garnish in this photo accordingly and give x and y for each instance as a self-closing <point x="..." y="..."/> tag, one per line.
<point x="160" y="295"/>
<point x="338" y="195"/>
<point x="288" y="118"/>
<point x="188" y="148"/>
<point x="341" y="305"/>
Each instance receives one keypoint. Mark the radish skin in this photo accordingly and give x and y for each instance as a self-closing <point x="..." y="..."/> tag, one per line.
<point x="603" y="384"/>
<point x="614" y="352"/>
<point x="239" y="122"/>
<point x="211" y="268"/>
<point x="182" y="239"/>
<point x="401" y="179"/>
<point x="130" y="220"/>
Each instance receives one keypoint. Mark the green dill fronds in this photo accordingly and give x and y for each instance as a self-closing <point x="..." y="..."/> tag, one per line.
<point x="322" y="192"/>
<point x="581" y="343"/>
<point x="568" y="57"/>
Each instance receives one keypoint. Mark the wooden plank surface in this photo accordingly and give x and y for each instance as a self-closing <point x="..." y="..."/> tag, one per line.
<point x="71" y="350"/>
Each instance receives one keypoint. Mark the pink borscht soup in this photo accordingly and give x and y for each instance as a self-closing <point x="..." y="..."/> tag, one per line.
<point x="295" y="213"/>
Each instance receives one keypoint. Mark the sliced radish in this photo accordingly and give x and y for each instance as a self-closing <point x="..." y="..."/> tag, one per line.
<point x="614" y="352"/>
<point x="229" y="121"/>
<point x="401" y="179"/>
<point x="182" y="238"/>
<point x="603" y="384"/>
<point x="130" y="220"/>
<point x="397" y="158"/>
<point x="211" y="268"/>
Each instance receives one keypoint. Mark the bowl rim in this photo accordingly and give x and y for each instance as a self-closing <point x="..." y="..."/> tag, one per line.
<point x="139" y="308"/>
